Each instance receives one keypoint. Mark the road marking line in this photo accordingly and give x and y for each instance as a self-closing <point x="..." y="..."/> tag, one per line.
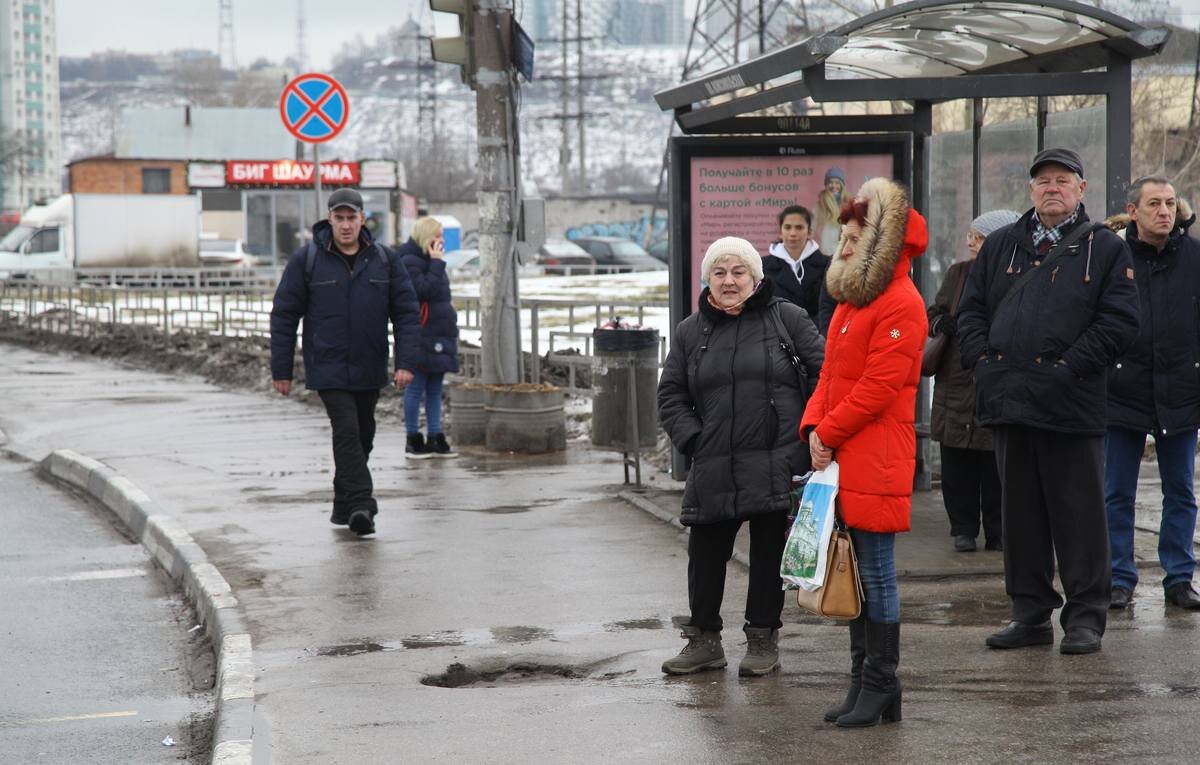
<point x="87" y="576"/>
<point x="69" y="718"/>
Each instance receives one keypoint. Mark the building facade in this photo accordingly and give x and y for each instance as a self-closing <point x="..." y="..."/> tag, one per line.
<point x="30" y="135"/>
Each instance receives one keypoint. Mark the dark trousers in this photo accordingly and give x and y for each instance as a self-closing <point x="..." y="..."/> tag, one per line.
<point x="1053" y="504"/>
<point x="970" y="491"/>
<point x="709" y="549"/>
<point x="352" y="417"/>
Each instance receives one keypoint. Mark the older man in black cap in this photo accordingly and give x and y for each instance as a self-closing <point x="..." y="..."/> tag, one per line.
<point x="1049" y="304"/>
<point x="345" y="286"/>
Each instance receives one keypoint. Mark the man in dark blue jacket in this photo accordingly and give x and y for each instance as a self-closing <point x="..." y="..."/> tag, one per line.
<point x="1041" y="359"/>
<point x="345" y="287"/>
<point x="1154" y="388"/>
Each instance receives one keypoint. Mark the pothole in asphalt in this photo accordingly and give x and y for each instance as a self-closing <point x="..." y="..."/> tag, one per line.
<point x="461" y="676"/>
<point x="520" y="634"/>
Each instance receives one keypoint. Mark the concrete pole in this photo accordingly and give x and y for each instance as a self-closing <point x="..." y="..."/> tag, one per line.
<point x="500" y="317"/>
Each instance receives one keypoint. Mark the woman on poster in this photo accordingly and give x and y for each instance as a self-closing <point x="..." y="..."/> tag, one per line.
<point x="863" y="411"/>
<point x="827" y="230"/>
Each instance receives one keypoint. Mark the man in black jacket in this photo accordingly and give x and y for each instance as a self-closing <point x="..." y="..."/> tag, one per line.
<point x="1154" y="388"/>
<point x="1041" y="358"/>
<point x="345" y="287"/>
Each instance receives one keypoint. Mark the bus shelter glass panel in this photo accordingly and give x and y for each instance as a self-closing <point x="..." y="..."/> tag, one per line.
<point x="1005" y="151"/>
<point x="1086" y="132"/>
<point x="949" y="210"/>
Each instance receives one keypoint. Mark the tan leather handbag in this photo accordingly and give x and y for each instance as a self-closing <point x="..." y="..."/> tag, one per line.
<point x="841" y="596"/>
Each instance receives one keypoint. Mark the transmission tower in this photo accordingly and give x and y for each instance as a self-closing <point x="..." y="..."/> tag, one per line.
<point x="429" y="146"/>
<point x="725" y="32"/>
<point x="301" y="39"/>
<point x="572" y="30"/>
<point x="226" y="46"/>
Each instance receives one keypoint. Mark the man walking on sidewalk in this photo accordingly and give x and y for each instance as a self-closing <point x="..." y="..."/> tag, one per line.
<point x="1048" y="306"/>
<point x="345" y="287"/>
<point x="1154" y="388"/>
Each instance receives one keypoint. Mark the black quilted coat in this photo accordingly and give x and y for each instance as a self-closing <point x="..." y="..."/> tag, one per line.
<point x="731" y="400"/>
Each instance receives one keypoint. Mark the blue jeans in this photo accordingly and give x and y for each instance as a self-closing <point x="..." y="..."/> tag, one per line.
<point x="425" y="386"/>
<point x="877" y="568"/>
<point x="1176" y="466"/>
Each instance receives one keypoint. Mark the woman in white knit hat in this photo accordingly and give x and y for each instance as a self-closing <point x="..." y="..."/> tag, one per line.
<point x="970" y="479"/>
<point x="730" y="397"/>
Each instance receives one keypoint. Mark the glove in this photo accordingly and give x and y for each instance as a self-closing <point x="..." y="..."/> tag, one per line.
<point x="944" y="325"/>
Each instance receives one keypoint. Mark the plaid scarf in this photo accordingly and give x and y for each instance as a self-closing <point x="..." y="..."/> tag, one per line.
<point x="1052" y="236"/>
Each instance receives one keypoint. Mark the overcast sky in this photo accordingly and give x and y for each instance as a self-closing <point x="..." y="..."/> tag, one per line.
<point x="261" y="27"/>
<point x="264" y="28"/>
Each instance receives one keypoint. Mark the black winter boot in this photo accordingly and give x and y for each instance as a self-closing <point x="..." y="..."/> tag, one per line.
<point x="881" y="691"/>
<point x="858" y="649"/>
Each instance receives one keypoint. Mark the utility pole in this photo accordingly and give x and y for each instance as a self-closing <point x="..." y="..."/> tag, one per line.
<point x="495" y="119"/>
<point x="484" y="51"/>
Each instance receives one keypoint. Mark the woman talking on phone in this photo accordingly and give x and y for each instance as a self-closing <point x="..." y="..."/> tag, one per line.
<point x="423" y="256"/>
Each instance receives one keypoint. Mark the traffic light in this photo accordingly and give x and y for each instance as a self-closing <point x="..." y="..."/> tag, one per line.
<point x="457" y="50"/>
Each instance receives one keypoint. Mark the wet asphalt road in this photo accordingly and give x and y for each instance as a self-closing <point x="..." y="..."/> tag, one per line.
<point x="95" y="660"/>
<point x="556" y="599"/>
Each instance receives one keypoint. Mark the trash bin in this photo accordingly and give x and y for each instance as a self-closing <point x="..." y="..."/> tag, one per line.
<point x="624" y="382"/>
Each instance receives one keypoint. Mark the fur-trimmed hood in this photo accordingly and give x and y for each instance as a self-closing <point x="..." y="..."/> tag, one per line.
<point x="1184" y="218"/>
<point x="894" y="234"/>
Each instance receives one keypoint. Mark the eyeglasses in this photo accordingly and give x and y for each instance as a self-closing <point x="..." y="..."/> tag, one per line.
<point x="974" y="237"/>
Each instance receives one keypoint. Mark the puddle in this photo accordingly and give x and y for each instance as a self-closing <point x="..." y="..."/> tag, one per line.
<point x="139" y="400"/>
<point x="520" y="634"/>
<point x="493" y="510"/>
<point x="967" y="611"/>
<point x="461" y="676"/>
<point x="353" y="649"/>
<point x="431" y="641"/>
<point x="635" y="624"/>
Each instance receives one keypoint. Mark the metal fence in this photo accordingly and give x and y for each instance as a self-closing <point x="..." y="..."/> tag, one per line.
<point x="557" y="341"/>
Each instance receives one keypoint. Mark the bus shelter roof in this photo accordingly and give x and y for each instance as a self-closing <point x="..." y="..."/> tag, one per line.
<point x="927" y="50"/>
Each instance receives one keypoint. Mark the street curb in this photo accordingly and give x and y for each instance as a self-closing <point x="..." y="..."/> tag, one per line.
<point x="174" y="549"/>
<point x="641" y="503"/>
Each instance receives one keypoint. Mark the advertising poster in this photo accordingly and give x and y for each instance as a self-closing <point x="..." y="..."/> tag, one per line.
<point x="742" y="195"/>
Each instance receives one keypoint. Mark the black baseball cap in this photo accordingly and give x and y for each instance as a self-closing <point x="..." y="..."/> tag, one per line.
<point x="1064" y="157"/>
<point x="346" y="198"/>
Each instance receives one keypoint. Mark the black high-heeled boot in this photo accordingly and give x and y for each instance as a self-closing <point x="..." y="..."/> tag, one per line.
<point x="880" y="695"/>
<point x="858" y="649"/>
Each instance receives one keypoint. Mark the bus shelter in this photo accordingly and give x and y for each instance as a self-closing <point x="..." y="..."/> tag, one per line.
<point x="753" y="141"/>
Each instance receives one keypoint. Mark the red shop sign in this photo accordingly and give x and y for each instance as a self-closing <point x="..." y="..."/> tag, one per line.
<point x="288" y="172"/>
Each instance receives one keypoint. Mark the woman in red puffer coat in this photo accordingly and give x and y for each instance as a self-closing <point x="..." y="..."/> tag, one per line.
<point x="862" y="414"/>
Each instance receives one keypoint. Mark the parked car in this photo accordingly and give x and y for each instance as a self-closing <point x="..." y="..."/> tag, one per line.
<point x="563" y="258"/>
<point x="661" y="250"/>
<point x="226" y="253"/>
<point x="614" y="254"/>
<point x="464" y="264"/>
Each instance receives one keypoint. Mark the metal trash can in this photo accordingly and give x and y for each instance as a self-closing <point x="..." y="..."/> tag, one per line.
<point x="624" y="387"/>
